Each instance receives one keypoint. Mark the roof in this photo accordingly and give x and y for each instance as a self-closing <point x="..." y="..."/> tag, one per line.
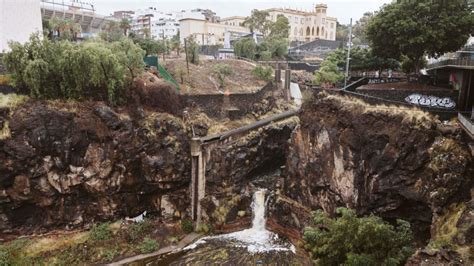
<point x="232" y="17"/>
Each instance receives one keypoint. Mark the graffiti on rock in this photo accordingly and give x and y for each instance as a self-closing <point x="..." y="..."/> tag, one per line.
<point x="431" y="101"/>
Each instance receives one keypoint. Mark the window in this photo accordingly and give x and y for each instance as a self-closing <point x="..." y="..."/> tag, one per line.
<point x="296" y="20"/>
<point x="296" y="31"/>
<point x="324" y="21"/>
<point x="302" y="21"/>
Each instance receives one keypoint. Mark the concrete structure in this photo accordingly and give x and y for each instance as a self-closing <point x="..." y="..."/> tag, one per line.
<point x="79" y="12"/>
<point x="18" y="20"/>
<point x="307" y="25"/>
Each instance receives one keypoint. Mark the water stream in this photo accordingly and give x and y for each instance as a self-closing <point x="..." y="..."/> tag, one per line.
<point x="253" y="246"/>
<point x="256" y="239"/>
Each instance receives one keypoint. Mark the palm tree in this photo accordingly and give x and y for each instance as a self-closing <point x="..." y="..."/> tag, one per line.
<point x="125" y="26"/>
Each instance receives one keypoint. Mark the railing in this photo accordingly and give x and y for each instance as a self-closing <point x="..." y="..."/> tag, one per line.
<point x="458" y="62"/>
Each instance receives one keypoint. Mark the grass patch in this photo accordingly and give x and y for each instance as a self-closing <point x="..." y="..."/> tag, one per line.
<point x="101" y="232"/>
<point x="12" y="101"/>
<point x="419" y="118"/>
<point x="148" y="245"/>
<point x="5" y="132"/>
<point x="187" y="226"/>
<point x="445" y="227"/>
<point x="137" y="231"/>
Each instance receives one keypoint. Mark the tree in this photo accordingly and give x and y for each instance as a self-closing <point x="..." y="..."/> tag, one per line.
<point x="258" y="21"/>
<point x="342" y="34"/>
<point x="245" y="47"/>
<point x="281" y="28"/>
<point x="327" y="74"/>
<point x="56" y="70"/>
<point x="125" y="25"/>
<point x="263" y="73"/>
<point x="222" y="71"/>
<point x="130" y="56"/>
<point x="112" y="32"/>
<point x="418" y="28"/>
<point x="349" y="240"/>
<point x="192" y="48"/>
<point x="175" y="44"/>
<point x="360" y="27"/>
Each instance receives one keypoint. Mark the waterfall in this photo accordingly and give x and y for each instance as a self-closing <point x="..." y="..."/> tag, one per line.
<point x="258" y="208"/>
<point x="256" y="239"/>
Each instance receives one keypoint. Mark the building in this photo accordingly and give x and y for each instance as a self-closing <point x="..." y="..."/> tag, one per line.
<point x="457" y="71"/>
<point x="233" y="21"/>
<point x="165" y="25"/>
<point x="18" y="20"/>
<point x="77" y="11"/>
<point x="128" y="14"/>
<point x="307" y="26"/>
<point x="208" y="33"/>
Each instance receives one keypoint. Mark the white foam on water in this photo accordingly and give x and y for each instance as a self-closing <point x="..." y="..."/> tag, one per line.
<point x="256" y="239"/>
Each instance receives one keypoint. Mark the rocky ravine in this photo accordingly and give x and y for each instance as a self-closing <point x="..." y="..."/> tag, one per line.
<point x="72" y="165"/>
<point x="391" y="162"/>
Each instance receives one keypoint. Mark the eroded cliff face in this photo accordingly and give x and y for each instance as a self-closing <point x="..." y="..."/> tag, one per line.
<point x="72" y="164"/>
<point x="376" y="159"/>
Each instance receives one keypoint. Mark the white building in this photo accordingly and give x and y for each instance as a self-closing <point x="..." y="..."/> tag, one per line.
<point x="166" y="24"/>
<point x="307" y="25"/>
<point x="18" y="20"/>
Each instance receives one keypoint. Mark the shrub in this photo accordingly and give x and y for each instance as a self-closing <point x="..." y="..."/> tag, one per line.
<point x="137" y="231"/>
<point x="349" y="240"/>
<point x="148" y="245"/>
<point x="110" y="254"/>
<point x="263" y="73"/>
<point x="222" y="71"/>
<point x="56" y="70"/>
<point x="187" y="226"/>
<point x="101" y="232"/>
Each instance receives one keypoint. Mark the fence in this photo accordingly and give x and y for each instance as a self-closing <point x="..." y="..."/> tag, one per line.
<point x="165" y="75"/>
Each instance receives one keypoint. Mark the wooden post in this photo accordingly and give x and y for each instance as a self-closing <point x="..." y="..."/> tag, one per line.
<point x="186" y="53"/>
<point x="198" y="179"/>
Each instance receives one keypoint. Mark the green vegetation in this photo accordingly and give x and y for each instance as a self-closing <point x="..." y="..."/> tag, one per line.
<point x="275" y="42"/>
<point x="11" y="254"/>
<point x="192" y="50"/>
<point x="61" y="29"/>
<point x="187" y="226"/>
<point x="417" y="28"/>
<point x="148" y="245"/>
<point x="222" y="71"/>
<point x="57" y="70"/>
<point x="100" y="232"/>
<point x="257" y="21"/>
<point x="327" y="74"/>
<point x="138" y="230"/>
<point x="349" y="240"/>
<point x="263" y="73"/>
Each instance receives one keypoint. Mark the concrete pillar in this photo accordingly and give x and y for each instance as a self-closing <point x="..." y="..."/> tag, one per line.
<point x="198" y="179"/>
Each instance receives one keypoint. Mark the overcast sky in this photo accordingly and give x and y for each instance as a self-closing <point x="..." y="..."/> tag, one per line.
<point x="343" y="10"/>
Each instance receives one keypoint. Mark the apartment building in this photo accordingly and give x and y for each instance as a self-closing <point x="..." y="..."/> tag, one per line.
<point x="307" y="25"/>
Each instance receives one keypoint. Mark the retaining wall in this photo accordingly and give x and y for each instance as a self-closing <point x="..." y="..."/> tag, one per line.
<point x="240" y="103"/>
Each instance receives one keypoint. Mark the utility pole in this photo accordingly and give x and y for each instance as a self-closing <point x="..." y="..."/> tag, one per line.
<point x="348" y="55"/>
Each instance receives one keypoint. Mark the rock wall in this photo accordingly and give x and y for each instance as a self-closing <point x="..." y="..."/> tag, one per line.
<point x="69" y="165"/>
<point x="376" y="159"/>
